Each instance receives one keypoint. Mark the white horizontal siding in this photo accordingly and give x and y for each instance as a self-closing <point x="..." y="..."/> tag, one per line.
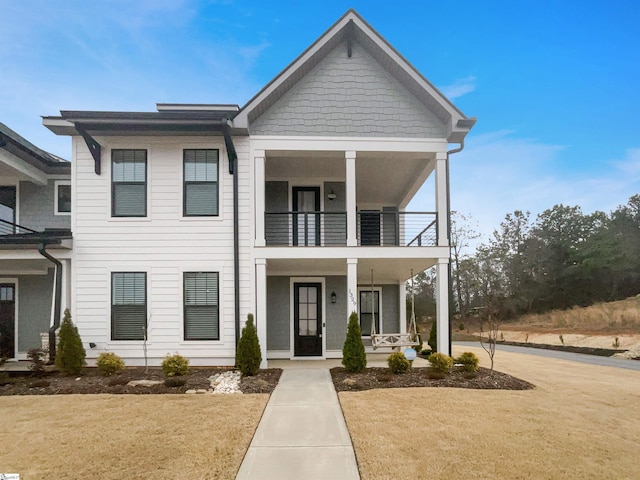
<point x="163" y="244"/>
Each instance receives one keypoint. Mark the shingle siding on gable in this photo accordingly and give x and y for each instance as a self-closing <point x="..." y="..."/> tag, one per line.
<point x="344" y="96"/>
<point x="36" y="207"/>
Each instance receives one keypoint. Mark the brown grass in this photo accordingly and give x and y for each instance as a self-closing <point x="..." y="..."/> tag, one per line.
<point x="581" y="422"/>
<point x="622" y="316"/>
<point x="127" y="436"/>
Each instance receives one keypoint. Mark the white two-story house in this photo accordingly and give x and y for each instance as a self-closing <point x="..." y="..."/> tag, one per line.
<point x="35" y="244"/>
<point x="293" y="208"/>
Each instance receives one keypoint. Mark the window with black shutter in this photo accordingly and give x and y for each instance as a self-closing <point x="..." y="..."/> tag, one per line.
<point x="200" y="183"/>
<point x="128" y="183"/>
<point x="201" y="312"/>
<point x="128" y="305"/>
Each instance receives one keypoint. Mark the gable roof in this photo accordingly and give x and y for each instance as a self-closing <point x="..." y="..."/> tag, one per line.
<point x="352" y="27"/>
<point x="26" y="151"/>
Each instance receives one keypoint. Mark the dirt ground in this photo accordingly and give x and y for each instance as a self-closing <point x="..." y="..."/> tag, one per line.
<point x="580" y="422"/>
<point x="90" y="381"/>
<point x="127" y="436"/>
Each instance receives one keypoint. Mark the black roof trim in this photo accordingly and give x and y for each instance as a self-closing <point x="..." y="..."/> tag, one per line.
<point x="27" y="151"/>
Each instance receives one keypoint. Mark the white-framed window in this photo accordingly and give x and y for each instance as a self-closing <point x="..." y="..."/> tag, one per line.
<point x="128" y="305"/>
<point x="200" y="182"/>
<point x="370" y="306"/>
<point x="62" y="198"/>
<point x="128" y="183"/>
<point x="201" y="306"/>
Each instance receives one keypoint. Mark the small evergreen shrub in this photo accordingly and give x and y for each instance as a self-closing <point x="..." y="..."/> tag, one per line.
<point x="36" y="357"/>
<point x="175" y="381"/>
<point x="433" y="337"/>
<point x="175" y="365"/>
<point x="70" y="354"/>
<point x="109" y="363"/>
<point x="425" y="352"/>
<point x="248" y="355"/>
<point x="398" y="363"/>
<point x="354" y="358"/>
<point x="469" y="362"/>
<point x="440" y="363"/>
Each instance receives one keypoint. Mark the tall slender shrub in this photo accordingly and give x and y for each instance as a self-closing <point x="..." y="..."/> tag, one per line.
<point x="353" y="357"/>
<point x="70" y="354"/>
<point x="433" y="337"/>
<point x="248" y="355"/>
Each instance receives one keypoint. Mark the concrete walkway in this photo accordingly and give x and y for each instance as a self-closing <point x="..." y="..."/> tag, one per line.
<point x="302" y="434"/>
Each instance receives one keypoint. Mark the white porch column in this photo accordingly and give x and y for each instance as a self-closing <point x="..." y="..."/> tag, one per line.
<point x="352" y="285"/>
<point x="261" y="307"/>
<point x="350" y="160"/>
<point x="259" y="168"/>
<point x="441" y="197"/>
<point x="442" y="305"/>
<point x="402" y="308"/>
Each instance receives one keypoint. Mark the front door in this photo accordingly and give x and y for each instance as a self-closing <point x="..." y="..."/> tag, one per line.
<point x="306" y="217"/>
<point x="307" y="319"/>
<point x="7" y="320"/>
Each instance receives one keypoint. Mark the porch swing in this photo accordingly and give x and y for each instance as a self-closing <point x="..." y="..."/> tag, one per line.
<point x="394" y="340"/>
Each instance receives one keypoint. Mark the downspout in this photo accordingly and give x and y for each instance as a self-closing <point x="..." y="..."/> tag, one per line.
<point x="450" y="152"/>
<point x="233" y="169"/>
<point x="57" y="302"/>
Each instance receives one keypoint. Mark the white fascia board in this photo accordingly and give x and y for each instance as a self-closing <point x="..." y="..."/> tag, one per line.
<point x="33" y="254"/>
<point x="351" y="252"/>
<point x="343" y="144"/>
<point x="32" y="173"/>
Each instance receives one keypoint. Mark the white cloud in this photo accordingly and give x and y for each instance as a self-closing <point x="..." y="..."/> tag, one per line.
<point x="459" y="87"/>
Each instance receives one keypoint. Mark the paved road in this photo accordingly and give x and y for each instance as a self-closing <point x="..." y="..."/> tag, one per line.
<point x="575" y="357"/>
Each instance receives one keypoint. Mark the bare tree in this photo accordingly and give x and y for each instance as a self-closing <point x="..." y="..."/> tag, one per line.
<point x="490" y="319"/>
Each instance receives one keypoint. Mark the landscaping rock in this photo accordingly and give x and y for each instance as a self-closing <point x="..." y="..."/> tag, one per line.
<point x="226" y="382"/>
<point x="350" y="382"/>
<point x="190" y="392"/>
<point x="144" y="383"/>
<point x="630" y="354"/>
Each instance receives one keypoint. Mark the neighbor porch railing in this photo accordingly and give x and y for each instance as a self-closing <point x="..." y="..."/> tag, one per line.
<point x="10" y="228"/>
<point x="393" y="228"/>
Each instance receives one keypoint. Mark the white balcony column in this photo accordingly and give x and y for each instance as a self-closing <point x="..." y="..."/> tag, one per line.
<point x="261" y="307"/>
<point x="259" y="172"/>
<point x="352" y="285"/>
<point x="442" y="305"/>
<point x="402" y="308"/>
<point x="350" y="160"/>
<point x="441" y="197"/>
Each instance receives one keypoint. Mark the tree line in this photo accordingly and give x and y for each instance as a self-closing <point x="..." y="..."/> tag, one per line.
<point x="559" y="259"/>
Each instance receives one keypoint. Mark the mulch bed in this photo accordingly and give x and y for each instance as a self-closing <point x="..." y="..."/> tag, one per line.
<point x="91" y="382"/>
<point x="419" y="377"/>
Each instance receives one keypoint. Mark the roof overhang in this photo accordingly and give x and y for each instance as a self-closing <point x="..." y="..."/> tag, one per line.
<point x="27" y="159"/>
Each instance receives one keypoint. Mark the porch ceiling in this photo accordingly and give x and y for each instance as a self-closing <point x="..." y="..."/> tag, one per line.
<point x="382" y="178"/>
<point x="24" y="267"/>
<point x="387" y="270"/>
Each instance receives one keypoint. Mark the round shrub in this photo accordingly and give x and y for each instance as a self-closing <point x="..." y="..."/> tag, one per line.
<point x="109" y="363"/>
<point x="398" y="363"/>
<point x="440" y="363"/>
<point x="469" y="362"/>
<point x="175" y="365"/>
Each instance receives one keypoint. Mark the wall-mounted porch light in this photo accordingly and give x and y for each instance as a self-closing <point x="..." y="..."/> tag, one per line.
<point x="331" y="195"/>
<point x="333" y="297"/>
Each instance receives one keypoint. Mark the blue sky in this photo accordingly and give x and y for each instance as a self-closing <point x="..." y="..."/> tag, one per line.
<point x="553" y="83"/>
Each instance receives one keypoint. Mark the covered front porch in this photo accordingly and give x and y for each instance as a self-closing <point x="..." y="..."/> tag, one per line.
<point x="303" y="305"/>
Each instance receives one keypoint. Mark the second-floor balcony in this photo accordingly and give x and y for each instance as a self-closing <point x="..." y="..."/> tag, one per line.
<point x="374" y="228"/>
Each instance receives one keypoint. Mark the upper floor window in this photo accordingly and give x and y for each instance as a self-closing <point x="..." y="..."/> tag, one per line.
<point x="200" y="183"/>
<point x="62" y="198"/>
<point x="129" y="183"/>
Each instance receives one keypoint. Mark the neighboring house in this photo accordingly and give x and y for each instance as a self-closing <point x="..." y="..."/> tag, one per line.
<point x="187" y="219"/>
<point x="35" y="243"/>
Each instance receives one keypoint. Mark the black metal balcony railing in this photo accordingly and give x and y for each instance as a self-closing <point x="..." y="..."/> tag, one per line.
<point x="306" y="229"/>
<point x="9" y="228"/>
<point x="374" y="228"/>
